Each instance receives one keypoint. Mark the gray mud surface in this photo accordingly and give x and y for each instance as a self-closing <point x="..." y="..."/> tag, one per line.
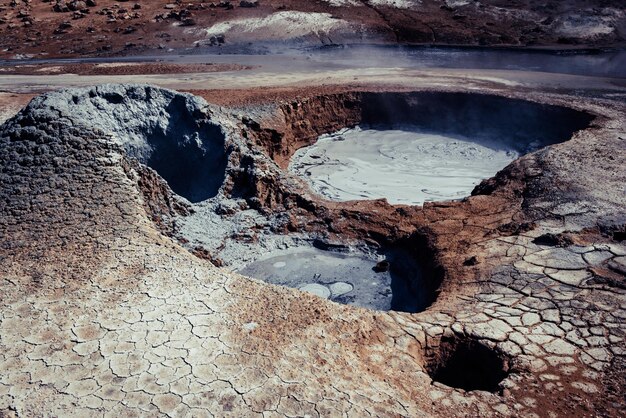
<point x="345" y="278"/>
<point x="405" y="166"/>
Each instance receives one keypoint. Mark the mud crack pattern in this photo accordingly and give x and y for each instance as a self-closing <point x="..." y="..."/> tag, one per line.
<point x="102" y="315"/>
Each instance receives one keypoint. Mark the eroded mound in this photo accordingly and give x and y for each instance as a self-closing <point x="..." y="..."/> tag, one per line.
<point x="165" y="130"/>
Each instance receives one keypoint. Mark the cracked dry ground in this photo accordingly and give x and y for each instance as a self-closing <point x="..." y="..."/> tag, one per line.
<point x="103" y="314"/>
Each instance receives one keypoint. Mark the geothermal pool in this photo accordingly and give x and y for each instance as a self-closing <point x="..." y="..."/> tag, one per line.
<point x="352" y="277"/>
<point x="403" y="165"/>
<point x="341" y="277"/>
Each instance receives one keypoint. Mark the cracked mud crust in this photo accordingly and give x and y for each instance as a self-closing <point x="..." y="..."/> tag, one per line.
<point x="102" y="313"/>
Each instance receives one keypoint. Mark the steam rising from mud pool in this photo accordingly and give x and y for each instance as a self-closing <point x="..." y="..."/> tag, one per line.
<point x="405" y="166"/>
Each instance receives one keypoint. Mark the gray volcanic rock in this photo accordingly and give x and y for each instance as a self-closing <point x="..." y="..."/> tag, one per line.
<point x="45" y="154"/>
<point x="93" y="132"/>
<point x="170" y="132"/>
<point x="129" y="115"/>
<point x="181" y="155"/>
<point x="159" y="128"/>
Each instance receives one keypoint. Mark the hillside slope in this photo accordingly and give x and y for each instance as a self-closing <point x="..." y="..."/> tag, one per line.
<point x="104" y="27"/>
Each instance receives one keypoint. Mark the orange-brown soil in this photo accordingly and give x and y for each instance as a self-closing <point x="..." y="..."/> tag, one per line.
<point x="33" y="28"/>
<point x="130" y="68"/>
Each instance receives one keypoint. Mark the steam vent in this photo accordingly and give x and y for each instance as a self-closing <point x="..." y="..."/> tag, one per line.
<point x="312" y="209"/>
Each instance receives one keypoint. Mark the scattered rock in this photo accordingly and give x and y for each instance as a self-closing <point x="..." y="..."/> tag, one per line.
<point x="188" y="22"/>
<point x="77" y="5"/>
<point x="317" y="289"/>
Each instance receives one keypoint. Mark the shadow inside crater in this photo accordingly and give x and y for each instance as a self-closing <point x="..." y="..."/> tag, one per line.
<point x="465" y="363"/>
<point x="189" y="153"/>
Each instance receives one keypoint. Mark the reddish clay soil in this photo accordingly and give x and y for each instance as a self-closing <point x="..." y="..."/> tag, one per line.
<point x="131" y="68"/>
<point x="10" y="104"/>
<point x="107" y="27"/>
<point x="264" y="95"/>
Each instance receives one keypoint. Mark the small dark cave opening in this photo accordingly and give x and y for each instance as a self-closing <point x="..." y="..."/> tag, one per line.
<point x="190" y="154"/>
<point x="465" y="363"/>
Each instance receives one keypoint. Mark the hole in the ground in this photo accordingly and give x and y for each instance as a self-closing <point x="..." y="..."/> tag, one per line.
<point x="412" y="148"/>
<point x="415" y="277"/>
<point x="465" y="363"/>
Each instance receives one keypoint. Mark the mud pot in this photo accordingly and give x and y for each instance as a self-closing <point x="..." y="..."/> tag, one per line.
<point x="237" y="189"/>
<point x="417" y="147"/>
<point x="428" y="148"/>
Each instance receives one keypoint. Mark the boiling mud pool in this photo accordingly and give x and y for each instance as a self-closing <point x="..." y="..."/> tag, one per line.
<point x="404" y="166"/>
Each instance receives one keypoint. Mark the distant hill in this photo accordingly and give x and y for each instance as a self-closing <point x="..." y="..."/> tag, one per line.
<point x="40" y="28"/>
